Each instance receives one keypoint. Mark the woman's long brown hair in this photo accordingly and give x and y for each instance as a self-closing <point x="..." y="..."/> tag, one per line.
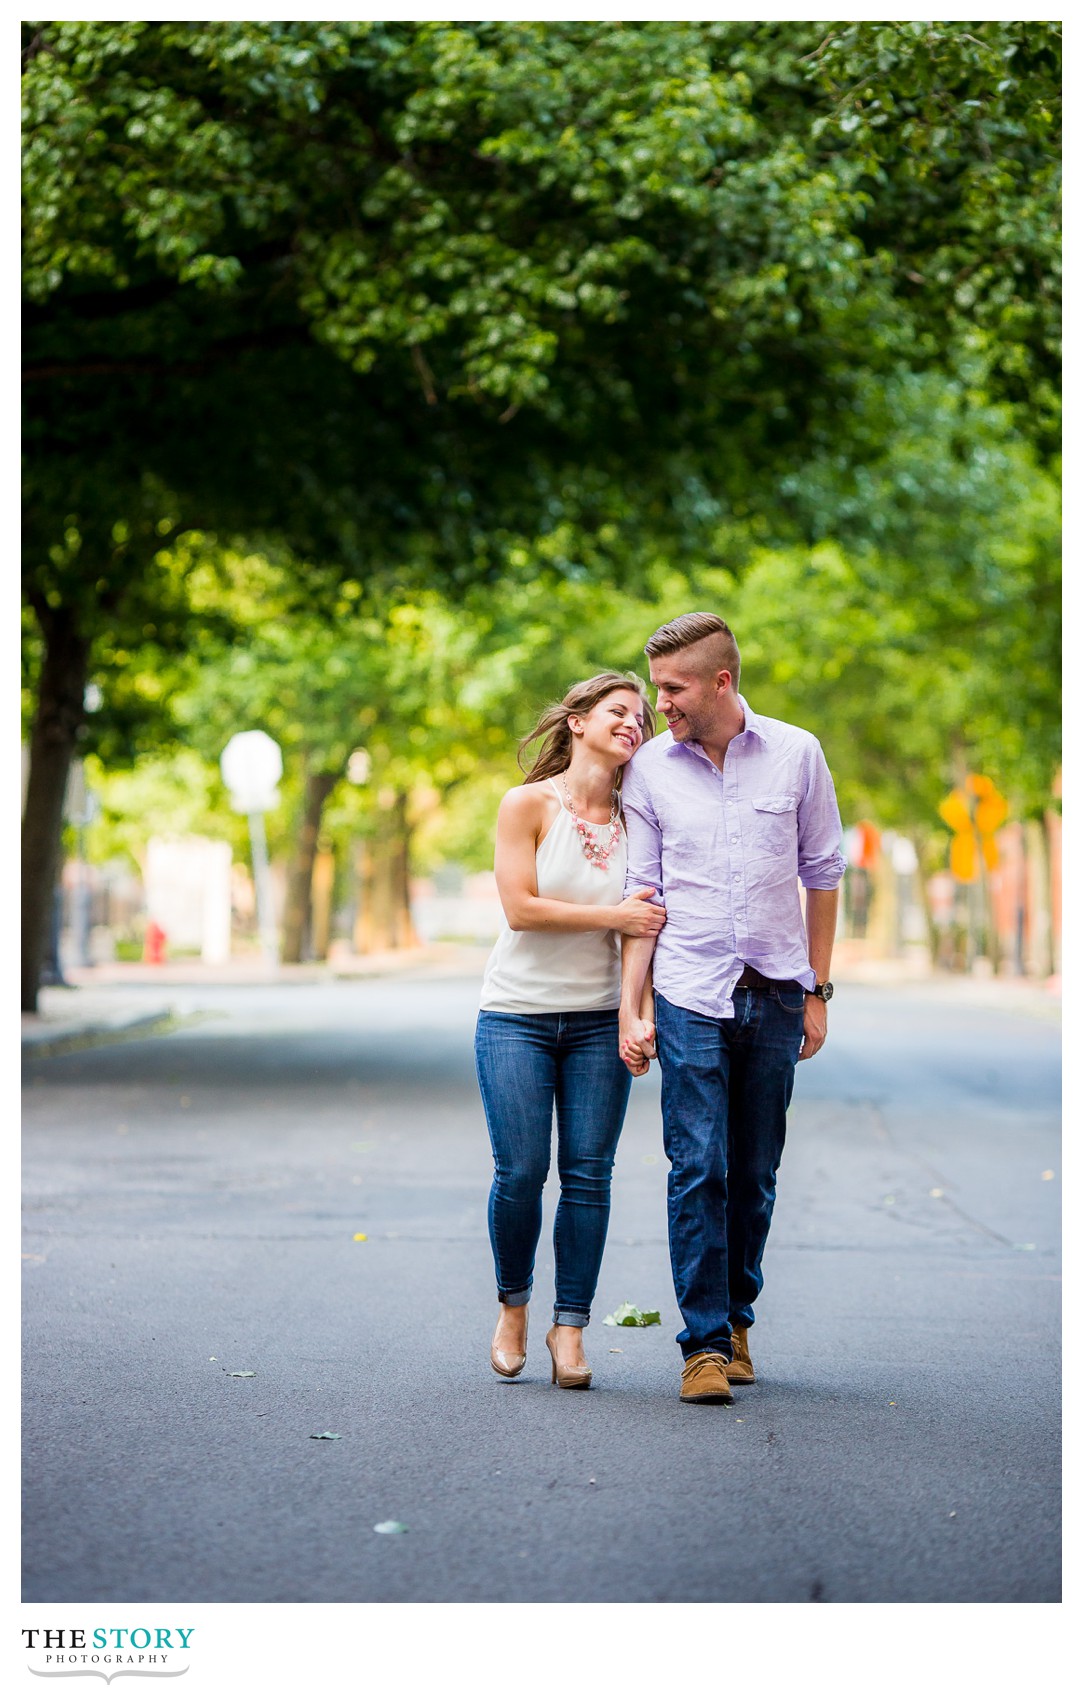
<point x="556" y="751"/>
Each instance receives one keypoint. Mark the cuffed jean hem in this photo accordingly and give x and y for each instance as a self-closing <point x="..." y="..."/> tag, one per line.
<point x="570" y="1318"/>
<point x="694" y="1352"/>
<point x="520" y="1297"/>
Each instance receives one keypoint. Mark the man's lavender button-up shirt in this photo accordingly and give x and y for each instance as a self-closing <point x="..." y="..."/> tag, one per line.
<point x="725" y="850"/>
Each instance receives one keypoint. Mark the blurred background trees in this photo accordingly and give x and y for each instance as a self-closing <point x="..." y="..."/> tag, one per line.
<point x="382" y="378"/>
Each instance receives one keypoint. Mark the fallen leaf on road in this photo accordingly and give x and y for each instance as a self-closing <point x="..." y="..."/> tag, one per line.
<point x="326" y="1435"/>
<point x="360" y="1236"/>
<point x="242" y="1374"/>
<point x="630" y="1316"/>
<point x="390" y="1528"/>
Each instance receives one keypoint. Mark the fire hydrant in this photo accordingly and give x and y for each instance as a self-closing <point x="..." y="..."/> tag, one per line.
<point x="154" y="943"/>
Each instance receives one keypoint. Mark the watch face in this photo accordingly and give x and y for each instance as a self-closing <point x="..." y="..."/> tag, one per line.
<point x="827" y="990"/>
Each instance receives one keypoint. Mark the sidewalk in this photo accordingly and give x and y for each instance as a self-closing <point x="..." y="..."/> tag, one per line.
<point x="126" y="999"/>
<point x="1012" y="992"/>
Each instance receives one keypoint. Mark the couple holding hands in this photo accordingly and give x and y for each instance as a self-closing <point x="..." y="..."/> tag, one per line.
<point x="650" y="889"/>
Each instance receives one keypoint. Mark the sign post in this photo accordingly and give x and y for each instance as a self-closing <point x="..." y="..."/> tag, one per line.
<point x="251" y="767"/>
<point x="975" y="811"/>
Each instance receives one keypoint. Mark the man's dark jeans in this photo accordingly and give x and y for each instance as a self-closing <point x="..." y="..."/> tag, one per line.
<point x="726" y="1087"/>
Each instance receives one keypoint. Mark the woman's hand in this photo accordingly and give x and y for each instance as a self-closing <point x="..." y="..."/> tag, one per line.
<point x="638" y="918"/>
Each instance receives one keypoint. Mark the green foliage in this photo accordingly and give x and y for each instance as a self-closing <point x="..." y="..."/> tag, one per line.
<point x="630" y="1316"/>
<point x="957" y="128"/>
<point x="162" y="796"/>
<point x="383" y="378"/>
<point x="488" y="224"/>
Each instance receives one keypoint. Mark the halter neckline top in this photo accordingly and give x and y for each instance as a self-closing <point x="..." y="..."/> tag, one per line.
<point x="530" y="973"/>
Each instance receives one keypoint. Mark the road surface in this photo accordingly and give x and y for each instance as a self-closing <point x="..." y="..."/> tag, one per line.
<point x="194" y="1207"/>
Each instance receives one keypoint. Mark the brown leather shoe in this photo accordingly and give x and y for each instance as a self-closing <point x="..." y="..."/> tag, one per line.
<point x="703" y="1380"/>
<point x="740" y="1371"/>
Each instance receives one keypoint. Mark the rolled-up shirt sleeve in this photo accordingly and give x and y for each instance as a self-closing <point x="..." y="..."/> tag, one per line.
<point x="644" y="837"/>
<point x="820" y="861"/>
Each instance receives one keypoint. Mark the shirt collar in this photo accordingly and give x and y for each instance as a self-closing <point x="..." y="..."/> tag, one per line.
<point x="752" y="724"/>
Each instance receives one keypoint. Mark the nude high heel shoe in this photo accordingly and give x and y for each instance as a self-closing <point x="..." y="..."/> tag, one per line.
<point x="567" y="1375"/>
<point x="506" y="1363"/>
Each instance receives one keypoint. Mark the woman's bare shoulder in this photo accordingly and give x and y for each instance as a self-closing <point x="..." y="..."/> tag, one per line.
<point x="527" y="804"/>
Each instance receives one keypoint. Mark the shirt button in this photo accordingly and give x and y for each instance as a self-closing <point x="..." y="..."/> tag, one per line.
<point x="733" y="840"/>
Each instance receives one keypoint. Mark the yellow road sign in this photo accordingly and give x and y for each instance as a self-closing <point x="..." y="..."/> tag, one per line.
<point x="974" y="812"/>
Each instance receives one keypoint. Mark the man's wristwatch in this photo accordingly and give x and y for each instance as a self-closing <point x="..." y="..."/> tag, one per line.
<point x="823" y="989"/>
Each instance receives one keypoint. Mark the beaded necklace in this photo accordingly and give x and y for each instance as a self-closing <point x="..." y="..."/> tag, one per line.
<point x="596" y="853"/>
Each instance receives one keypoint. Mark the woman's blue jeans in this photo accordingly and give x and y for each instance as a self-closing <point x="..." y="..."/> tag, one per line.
<point x="527" y="1065"/>
<point x="726" y="1087"/>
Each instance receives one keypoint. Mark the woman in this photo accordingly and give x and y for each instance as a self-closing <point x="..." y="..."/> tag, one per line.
<point x="547" y="1030"/>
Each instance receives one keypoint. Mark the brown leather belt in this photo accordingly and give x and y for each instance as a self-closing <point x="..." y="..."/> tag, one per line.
<point x="751" y="977"/>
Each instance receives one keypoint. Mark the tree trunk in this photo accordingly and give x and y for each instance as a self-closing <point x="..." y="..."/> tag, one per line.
<point x="404" y="935"/>
<point x="1041" y="959"/>
<point x="384" y="920"/>
<point x="932" y="931"/>
<point x="295" y="924"/>
<point x="364" y="870"/>
<point x="57" y="722"/>
<point x="378" y="892"/>
<point x="323" y="898"/>
<point x="1052" y="840"/>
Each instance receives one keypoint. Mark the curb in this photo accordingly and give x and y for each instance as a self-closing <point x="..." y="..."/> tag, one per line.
<point x="82" y="1036"/>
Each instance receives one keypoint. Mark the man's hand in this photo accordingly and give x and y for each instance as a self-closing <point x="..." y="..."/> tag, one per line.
<point x="815" y="1027"/>
<point x="636" y="1043"/>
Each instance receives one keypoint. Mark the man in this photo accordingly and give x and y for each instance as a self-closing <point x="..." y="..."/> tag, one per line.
<point x="725" y="812"/>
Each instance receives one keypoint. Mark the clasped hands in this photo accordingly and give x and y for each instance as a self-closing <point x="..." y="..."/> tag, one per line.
<point x="637" y="1044"/>
<point x="643" y="919"/>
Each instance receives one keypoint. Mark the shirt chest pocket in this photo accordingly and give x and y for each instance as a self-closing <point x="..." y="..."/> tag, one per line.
<point x="774" y="824"/>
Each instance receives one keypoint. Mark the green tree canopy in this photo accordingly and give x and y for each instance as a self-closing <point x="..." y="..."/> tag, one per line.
<point x="414" y="302"/>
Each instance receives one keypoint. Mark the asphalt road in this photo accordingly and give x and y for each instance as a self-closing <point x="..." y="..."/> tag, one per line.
<point x="192" y="1207"/>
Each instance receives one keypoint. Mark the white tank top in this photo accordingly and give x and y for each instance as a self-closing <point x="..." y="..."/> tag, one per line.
<point x="539" y="973"/>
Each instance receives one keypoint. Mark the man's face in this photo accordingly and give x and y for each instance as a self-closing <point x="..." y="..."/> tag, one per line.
<point x="687" y="695"/>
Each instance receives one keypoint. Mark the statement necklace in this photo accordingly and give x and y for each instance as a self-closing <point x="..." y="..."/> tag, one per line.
<point x="596" y="853"/>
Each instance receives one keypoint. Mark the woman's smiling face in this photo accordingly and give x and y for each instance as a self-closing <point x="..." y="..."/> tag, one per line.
<point x="614" y="725"/>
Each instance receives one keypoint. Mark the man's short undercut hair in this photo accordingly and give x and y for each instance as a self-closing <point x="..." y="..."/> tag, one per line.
<point x="693" y="628"/>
